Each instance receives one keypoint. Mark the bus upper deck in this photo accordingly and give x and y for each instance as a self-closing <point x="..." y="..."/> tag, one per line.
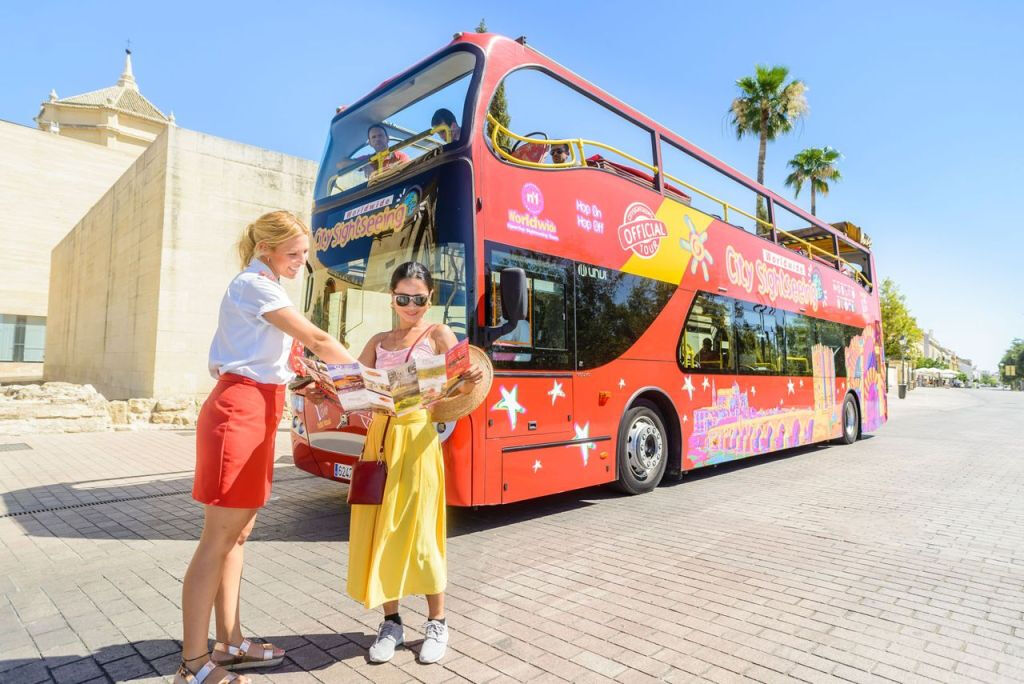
<point x="600" y="132"/>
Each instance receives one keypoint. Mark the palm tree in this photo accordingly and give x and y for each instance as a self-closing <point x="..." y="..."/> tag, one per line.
<point x="816" y="165"/>
<point x="767" y="106"/>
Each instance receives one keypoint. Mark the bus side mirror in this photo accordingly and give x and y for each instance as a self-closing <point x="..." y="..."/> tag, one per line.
<point x="513" y="302"/>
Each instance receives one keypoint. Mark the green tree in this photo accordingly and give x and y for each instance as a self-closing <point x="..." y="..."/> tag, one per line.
<point x="1014" y="356"/>
<point x="897" y="323"/>
<point x="815" y="166"/>
<point x="931" y="363"/>
<point x="767" y="107"/>
<point x="988" y="379"/>
<point x="499" y="105"/>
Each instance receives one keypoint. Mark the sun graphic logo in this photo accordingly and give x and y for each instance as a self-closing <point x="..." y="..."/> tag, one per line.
<point x="695" y="246"/>
<point x="640" y="231"/>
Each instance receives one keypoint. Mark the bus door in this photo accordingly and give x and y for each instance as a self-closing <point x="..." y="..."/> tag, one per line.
<point x="530" y="405"/>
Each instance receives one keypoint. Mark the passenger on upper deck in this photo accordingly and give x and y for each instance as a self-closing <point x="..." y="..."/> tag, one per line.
<point x="445" y="117"/>
<point x="378" y="138"/>
<point x="560" y="153"/>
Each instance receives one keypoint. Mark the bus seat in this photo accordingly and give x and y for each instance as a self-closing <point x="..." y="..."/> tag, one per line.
<point x="531" y="152"/>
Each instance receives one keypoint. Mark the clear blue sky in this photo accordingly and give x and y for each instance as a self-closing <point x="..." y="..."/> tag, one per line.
<point x="924" y="100"/>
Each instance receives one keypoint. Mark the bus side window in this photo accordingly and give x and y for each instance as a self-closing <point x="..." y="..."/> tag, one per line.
<point x="542" y="108"/>
<point x="545" y="339"/>
<point x="707" y="341"/>
<point x="760" y="338"/>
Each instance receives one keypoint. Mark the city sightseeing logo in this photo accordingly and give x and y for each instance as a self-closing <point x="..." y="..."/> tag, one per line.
<point x="641" y="231"/>
<point x="531" y="222"/>
<point x="373" y="218"/>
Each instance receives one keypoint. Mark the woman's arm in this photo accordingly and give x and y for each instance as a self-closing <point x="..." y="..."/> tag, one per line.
<point x="290" y="322"/>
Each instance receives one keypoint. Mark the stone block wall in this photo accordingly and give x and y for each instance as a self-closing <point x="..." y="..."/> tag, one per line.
<point x="104" y="285"/>
<point x="136" y="286"/>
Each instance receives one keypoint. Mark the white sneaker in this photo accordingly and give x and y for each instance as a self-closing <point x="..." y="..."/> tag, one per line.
<point x="435" y="641"/>
<point x="389" y="636"/>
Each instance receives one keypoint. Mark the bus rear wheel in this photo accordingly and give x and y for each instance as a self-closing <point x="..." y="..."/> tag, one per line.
<point x="851" y="421"/>
<point x="642" y="449"/>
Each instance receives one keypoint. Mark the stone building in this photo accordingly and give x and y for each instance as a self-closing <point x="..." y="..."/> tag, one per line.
<point x="139" y="218"/>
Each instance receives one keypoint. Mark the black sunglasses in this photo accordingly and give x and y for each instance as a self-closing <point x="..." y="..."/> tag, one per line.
<point x="418" y="300"/>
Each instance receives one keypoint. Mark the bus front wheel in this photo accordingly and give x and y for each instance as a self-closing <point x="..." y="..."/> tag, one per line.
<point x="642" y="449"/>
<point x="851" y="421"/>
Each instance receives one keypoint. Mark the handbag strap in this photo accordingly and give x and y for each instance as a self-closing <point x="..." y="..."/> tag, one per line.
<point x="380" y="449"/>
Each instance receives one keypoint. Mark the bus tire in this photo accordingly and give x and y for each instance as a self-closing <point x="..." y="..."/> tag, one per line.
<point x="850" y="416"/>
<point x="642" y="449"/>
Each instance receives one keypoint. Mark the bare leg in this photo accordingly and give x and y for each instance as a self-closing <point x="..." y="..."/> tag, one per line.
<point x="435" y="606"/>
<point x="203" y="579"/>
<point x="226" y="611"/>
<point x="390" y="607"/>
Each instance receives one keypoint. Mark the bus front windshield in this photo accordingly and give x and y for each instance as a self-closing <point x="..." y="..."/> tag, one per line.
<point x="424" y="217"/>
<point x="409" y="120"/>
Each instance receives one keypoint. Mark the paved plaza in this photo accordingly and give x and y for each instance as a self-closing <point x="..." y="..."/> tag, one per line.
<point x="899" y="558"/>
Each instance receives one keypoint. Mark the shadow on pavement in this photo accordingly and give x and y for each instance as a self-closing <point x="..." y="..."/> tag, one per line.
<point x="161" y="657"/>
<point x="303" y="507"/>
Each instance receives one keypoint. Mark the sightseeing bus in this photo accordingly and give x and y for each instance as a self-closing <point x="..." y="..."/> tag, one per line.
<point x="648" y="310"/>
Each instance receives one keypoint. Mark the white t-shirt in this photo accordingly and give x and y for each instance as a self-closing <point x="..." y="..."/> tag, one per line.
<point x="245" y="343"/>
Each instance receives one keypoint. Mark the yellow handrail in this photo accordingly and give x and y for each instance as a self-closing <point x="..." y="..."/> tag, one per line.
<point x="573" y="143"/>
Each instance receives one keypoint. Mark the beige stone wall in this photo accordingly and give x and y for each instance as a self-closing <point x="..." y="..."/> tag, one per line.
<point x="215" y="188"/>
<point x="104" y="286"/>
<point x="137" y="284"/>
<point x="47" y="183"/>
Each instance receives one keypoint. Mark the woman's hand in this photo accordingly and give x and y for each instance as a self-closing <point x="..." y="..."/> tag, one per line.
<point x="471" y="378"/>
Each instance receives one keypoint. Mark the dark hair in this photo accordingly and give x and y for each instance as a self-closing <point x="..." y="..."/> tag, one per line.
<point x="442" y="116"/>
<point x="412" y="269"/>
<point x="377" y="125"/>
<point x="562" y="146"/>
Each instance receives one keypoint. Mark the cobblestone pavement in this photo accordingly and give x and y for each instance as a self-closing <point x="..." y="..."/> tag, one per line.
<point x="898" y="558"/>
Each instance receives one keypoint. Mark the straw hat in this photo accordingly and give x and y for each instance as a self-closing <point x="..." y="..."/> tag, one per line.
<point x="461" y="405"/>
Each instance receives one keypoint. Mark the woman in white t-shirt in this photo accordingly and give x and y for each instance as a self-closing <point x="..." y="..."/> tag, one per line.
<point x="235" y="437"/>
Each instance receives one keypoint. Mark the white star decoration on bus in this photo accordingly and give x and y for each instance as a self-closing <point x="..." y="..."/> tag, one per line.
<point x="705" y="384"/>
<point x="622" y="383"/>
<point x="584" y="447"/>
<point x="753" y="390"/>
<point x="688" y="386"/>
<point x="789" y="386"/>
<point x="510" y="403"/>
<point x="695" y="246"/>
<point x="536" y="466"/>
<point x="555" y="392"/>
<point x="801" y="382"/>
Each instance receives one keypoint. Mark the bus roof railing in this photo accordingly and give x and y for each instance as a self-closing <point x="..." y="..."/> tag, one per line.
<point x="497" y="128"/>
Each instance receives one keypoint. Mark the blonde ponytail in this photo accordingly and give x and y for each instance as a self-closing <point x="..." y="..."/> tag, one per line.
<point x="271" y="230"/>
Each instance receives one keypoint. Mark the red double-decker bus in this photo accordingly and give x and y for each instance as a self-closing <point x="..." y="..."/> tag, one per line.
<point x="677" y="313"/>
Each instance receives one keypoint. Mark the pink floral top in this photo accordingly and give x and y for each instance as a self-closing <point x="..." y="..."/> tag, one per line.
<point x="389" y="359"/>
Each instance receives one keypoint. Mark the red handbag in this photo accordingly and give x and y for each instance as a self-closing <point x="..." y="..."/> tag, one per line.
<point x="369" y="477"/>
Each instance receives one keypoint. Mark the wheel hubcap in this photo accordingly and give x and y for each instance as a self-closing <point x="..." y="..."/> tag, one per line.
<point x="644" y="448"/>
<point x="850" y="415"/>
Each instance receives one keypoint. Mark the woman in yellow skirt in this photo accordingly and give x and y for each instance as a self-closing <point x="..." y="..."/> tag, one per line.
<point x="397" y="549"/>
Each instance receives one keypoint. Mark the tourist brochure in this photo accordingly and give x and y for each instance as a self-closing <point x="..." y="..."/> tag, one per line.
<point x="419" y="383"/>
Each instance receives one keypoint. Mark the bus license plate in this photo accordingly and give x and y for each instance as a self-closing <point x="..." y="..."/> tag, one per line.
<point x="343" y="471"/>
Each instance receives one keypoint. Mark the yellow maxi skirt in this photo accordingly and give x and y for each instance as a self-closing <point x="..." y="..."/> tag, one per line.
<point x="397" y="549"/>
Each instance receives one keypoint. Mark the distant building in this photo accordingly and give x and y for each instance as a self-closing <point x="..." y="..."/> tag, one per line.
<point x="119" y="117"/>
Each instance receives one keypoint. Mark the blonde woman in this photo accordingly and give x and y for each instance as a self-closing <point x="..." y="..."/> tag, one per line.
<point x="235" y="438"/>
<point x="398" y="548"/>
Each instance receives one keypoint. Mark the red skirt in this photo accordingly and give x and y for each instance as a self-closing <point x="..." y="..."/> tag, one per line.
<point x="235" y="437"/>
